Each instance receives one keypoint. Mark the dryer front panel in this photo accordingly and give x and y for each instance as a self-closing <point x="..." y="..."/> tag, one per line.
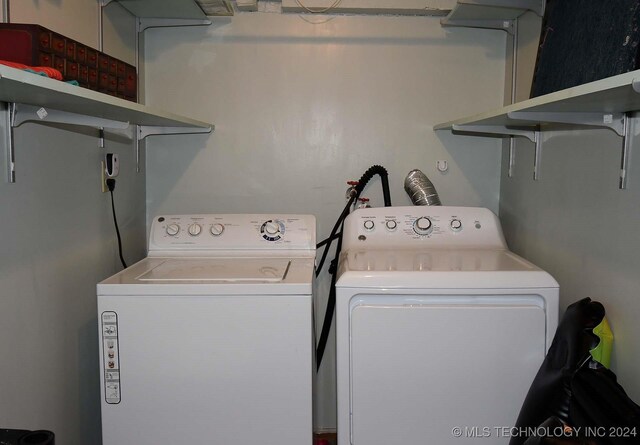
<point x="421" y="366"/>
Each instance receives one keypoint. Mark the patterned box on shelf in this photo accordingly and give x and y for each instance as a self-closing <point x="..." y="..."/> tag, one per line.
<point x="35" y="45"/>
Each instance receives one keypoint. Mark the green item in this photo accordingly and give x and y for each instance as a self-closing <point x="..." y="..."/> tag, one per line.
<point x="602" y="352"/>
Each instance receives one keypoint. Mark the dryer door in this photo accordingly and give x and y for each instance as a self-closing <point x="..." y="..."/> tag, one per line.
<point x="424" y="365"/>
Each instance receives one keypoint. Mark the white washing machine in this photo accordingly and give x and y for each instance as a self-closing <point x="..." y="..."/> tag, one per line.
<point x="439" y="327"/>
<point x="208" y="340"/>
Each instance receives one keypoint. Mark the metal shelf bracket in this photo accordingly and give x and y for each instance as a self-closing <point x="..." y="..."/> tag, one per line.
<point x="504" y="25"/>
<point x="8" y="110"/>
<point x="496" y="130"/>
<point x="534" y="135"/>
<point x="148" y="130"/>
<point x="18" y="114"/>
<point x="617" y="122"/>
<point x="626" y="151"/>
<point x="146" y="23"/>
<point x="30" y="113"/>
<point x="612" y="121"/>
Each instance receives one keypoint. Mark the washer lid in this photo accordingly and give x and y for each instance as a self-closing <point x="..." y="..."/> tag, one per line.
<point x="271" y="270"/>
<point x="212" y="276"/>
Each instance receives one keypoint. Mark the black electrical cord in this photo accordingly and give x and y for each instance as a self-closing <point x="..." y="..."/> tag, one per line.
<point x="333" y="269"/>
<point x="332" y="236"/>
<point x="111" y="184"/>
<point x="331" y="304"/>
<point x="328" y="240"/>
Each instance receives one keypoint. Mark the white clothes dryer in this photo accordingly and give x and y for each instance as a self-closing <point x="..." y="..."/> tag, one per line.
<point x="209" y="338"/>
<point x="440" y="329"/>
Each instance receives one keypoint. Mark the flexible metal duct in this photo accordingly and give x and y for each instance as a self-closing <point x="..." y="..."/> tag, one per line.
<point x="420" y="189"/>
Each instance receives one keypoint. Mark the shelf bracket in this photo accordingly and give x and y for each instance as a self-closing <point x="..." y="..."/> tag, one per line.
<point x="617" y="122"/>
<point x="146" y="23"/>
<point x="504" y="25"/>
<point x="149" y="130"/>
<point x="612" y="121"/>
<point x="9" y="111"/>
<point x="626" y="151"/>
<point x="532" y="134"/>
<point x="30" y="113"/>
<point x="512" y="157"/>
<point x="537" y="155"/>
<point x="18" y="114"/>
<point x="498" y="130"/>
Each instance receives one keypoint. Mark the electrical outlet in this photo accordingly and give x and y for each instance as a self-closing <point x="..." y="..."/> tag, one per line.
<point x="103" y="178"/>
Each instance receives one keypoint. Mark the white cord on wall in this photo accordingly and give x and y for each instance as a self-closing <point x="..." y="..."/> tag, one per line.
<point x="318" y="11"/>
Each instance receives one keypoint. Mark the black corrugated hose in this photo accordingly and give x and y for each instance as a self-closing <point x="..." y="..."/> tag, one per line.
<point x="333" y="267"/>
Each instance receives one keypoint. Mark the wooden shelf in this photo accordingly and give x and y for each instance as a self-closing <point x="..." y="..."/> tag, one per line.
<point x="605" y="103"/>
<point x="21" y="87"/>
<point x="166" y="9"/>
<point x="494" y="14"/>
<point x="603" y="100"/>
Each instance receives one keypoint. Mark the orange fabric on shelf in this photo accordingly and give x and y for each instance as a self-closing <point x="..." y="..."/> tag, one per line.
<point x="48" y="71"/>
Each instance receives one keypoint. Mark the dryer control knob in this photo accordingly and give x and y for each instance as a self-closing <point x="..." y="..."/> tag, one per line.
<point x="391" y="225"/>
<point x="422" y="226"/>
<point x="217" y="229"/>
<point x="456" y="225"/>
<point x="369" y="224"/>
<point x="173" y="229"/>
<point x="195" y="229"/>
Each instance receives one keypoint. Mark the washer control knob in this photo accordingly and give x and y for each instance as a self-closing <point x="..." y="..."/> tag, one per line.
<point x="422" y="226"/>
<point x="456" y="225"/>
<point x="369" y="224"/>
<point x="391" y="225"/>
<point x="173" y="229"/>
<point x="217" y="229"/>
<point x="271" y="228"/>
<point x="195" y="229"/>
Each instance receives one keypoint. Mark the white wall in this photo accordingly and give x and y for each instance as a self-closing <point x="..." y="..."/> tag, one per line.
<point x="300" y="108"/>
<point x="58" y="241"/>
<point x="576" y="223"/>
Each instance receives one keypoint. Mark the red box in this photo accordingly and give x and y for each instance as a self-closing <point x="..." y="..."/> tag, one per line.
<point x="34" y="45"/>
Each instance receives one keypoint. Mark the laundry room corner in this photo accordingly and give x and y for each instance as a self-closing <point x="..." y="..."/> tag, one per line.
<point x="303" y="104"/>
<point x="58" y="241"/>
<point x="575" y="220"/>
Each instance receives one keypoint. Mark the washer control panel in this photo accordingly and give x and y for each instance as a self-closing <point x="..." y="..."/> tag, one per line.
<point x="232" y="232"/>
<point x="433" y="225"/>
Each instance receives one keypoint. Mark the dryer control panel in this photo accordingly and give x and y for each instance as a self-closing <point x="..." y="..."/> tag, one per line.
<point x="232" y="232"/>
<point x="432" y="226"/>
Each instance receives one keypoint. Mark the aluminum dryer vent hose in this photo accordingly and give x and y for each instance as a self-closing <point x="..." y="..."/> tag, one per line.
<point x="420" y="189"/>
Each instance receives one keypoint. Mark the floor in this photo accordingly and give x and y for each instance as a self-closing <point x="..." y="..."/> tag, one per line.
<point x="325" y="439"/>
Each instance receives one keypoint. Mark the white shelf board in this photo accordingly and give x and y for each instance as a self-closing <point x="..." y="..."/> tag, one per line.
<point x="611" y="95"/>
<point x="476" y="12"/>
<point x="27" y="88"/>
<point x="166" y="9"/>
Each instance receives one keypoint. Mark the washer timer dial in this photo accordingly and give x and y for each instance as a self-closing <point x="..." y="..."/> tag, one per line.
<point x="216" y="229"/>
<point x="173" y="229"/>
<point x="422" y="226"/>
<point x="195" y="229"/>
<point x="272" y="230"/>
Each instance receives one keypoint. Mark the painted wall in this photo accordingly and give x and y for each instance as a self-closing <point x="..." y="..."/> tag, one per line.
<point x="302" y="104"/>
<point x="576" y="223"/>
<point x="58" y="241"/>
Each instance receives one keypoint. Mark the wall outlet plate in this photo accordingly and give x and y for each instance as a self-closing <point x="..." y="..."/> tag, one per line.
<point x="103" y="178"/>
